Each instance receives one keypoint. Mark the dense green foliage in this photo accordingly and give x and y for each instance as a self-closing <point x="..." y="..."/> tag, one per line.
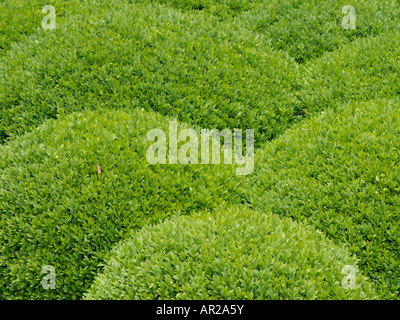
<point x="189" y="65"/>
<point x="186" y="65"/>
<point x="231" y="254"/>
<point x="343" y="76"/>
<point x="15" y="23"/>
<point x="54" y="210"/>
<point x="340" y="172"/>
<point x="308" y="29"/>
<point x="304" y="29"/>
<point x="88" y="92"/>
<point x="223" y="9"/>
<point x="19" y="19"/>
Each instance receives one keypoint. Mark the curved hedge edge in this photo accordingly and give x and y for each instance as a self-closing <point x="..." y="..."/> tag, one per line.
<point x="339" y="172"/>
<point x="231" y="254"/>
<point x="56" y="210"/>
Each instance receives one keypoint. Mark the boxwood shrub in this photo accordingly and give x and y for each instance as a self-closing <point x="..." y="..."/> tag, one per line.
<point x="308" y="29"/>
<point x="56" y="210"/>
<point x="130" y="56"/>
<point x="340" y="172"/>
<point x="19" y="19"/>
<point x="223" y="9"/>
<point x="234" y="253"/>
<point x="16" y="22"/>
<point x="362" y="70"/>
<point x="222" y="64"/>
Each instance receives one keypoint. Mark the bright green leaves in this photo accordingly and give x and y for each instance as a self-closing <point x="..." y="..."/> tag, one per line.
<point x="234" y="253"/>
<point x="56" y="211"/>
<point x="363" y="70"/>
<point x="211" y="74"/>
<point x="339" y="172"/>
<point x="307" y="30"/>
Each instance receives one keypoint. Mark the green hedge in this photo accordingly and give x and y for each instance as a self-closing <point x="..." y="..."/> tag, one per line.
<point x="308" y="29"/>
<point x="340" y="172"/>
<point x="363" y="70"/>
<point x="232" y="254"/>
<point x="54" y="210"/>
<point x="19" y="19"/>
<point x="305" y="30"/>
<point x="337" y="171"/>
<point x="130" y="56"/>
<point x="16" y="22"/>
<point x="223" y="9"/>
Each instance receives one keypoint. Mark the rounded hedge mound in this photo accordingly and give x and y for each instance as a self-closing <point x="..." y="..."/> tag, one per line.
<point x="56" y="210"/>
<point x="340" y="172"/>
<point x="231" y="254"/>
<point x="113" y="54"/>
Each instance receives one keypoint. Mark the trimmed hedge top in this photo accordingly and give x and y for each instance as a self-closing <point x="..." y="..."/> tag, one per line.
<point x="223" y="9"/>
<point x="186" y="65"/>
<point x="54" y="210"/>
<point x="362" y="70"/>
<point x="223" y="64"/>
<point x="340" y="172"/>
<point x="231" y="254"/>
<point x="309" y="29"/>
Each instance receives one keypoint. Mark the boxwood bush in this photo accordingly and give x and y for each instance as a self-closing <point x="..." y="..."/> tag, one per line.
<point x="308" y="29"/>
<point x="222" y="64"/>
<point x="362" y="70"/>
<point x="340" y="172"/>
<point x="223" y="9"/>
<point x="55" y="210"/>
<point x="234" y="253"/>
<point x="16" y="22"/>
<point x="182" y="64"/>
<point x="19" y="19"/>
